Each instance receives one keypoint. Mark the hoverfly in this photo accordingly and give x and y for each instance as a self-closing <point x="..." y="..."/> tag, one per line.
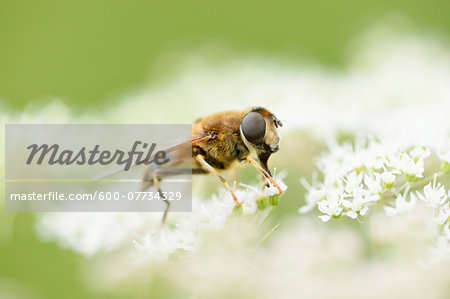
<point x="220" y="141"/>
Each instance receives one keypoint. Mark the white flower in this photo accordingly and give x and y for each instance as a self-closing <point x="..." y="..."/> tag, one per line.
<point x="90" y="233"/>
<point x="312" y="197"/>
<point x="159" y="244"/>
<point x="444" y="156"/>
<point x="373" y="183"/>
<point x="413" y="169"/>
<point x="215" y="211"/>
<point x="331" y="206"/>
<point x="247" y="199"/>
<point x="396" y="160"/>
<point x="401" y="205"/>
<point x="420" y="152"/>
<point x="371" y="161"/>
<point x="388" y="179"/>
<point x="272" y="190"/>
<point x="434" y="195"/>
<point x="402" y="162"/>
<point x="352" y="182"/>
<point x="444" y="214"/>
<point x="359" y="203"/>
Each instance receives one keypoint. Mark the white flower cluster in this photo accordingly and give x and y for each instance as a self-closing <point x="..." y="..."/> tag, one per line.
<point x="181" y="232"/>
<point x="383" y="171"/>
<point x="162" y="241"/>
<point x="90" y="233"/>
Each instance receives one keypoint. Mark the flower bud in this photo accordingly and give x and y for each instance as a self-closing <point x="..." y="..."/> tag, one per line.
<point x="411" y="178"/>
<point x="273" y="199"/>
<point x="238" y="210"/>
<point x="387" y="179"/>
<point x="262" y="203"/>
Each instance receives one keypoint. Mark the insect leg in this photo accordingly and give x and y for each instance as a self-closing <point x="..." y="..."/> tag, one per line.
<point x="159" y="174"/>
<point x="147" y="178"/>
<point x="265" y="173"/>
<point x="156" y="180"/>
<point x="209" y="168"/>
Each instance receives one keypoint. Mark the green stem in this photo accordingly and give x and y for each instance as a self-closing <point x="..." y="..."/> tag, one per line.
<point x="266" y="236"/>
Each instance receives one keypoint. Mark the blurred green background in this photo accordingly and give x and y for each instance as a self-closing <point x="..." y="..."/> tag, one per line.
<point x="87" y="52"/>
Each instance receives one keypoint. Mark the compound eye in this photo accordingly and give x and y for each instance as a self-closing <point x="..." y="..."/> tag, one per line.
<point x="253" y="127"/>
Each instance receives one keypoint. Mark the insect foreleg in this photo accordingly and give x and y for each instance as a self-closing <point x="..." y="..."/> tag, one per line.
<point x="265" y="173"/>
<point x="211" y="169"/>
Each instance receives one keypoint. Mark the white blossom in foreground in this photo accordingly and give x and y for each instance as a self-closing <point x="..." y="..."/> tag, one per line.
<point x="180" y="233"/>
<point x="302" y="250"/>
<point x="158" y="244"/>
<point x="90" y="233"/>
